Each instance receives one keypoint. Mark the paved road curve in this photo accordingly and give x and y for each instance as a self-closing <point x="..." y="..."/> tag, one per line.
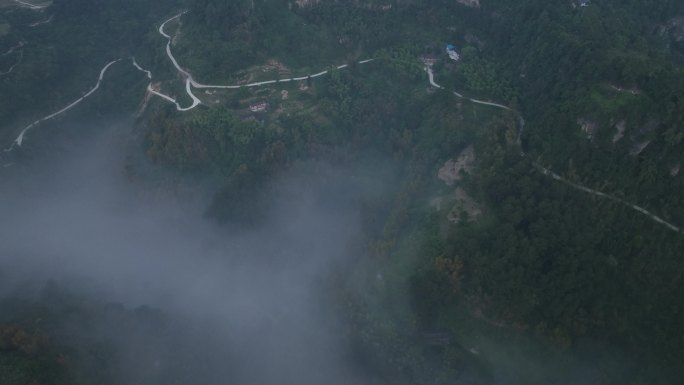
<point x="190" y="82"/>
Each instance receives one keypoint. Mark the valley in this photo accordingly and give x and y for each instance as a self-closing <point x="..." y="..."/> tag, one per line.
<point x="316" y="170"/>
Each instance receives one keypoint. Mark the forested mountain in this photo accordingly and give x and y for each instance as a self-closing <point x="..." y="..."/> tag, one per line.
<point x="520" y="207"/>
<point x="62" y="54"/>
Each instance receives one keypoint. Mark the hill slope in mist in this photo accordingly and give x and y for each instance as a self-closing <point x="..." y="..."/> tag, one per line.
<point x="281" y="192"/>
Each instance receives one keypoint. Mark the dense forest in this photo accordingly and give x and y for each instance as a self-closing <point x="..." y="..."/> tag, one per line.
<point x="539" y="283"/>
<point x="62" y="58"/>
<point x="546" y="260"/>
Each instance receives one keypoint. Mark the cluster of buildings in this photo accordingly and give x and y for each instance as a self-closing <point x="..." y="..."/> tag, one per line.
<point x="259" y="107"/>
<point x="430" y="60"/>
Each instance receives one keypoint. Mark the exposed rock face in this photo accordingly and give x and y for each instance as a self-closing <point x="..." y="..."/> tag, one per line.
<point x="620" y="131"/>
<point x="451" y="171"/>
<point x="588" y="127"/>
<point x="641" y="137"/>
<point x="458" y="202"/>
<point x="674" y="170"/>
<point x="470" y="3"/>
<point x="639" y="147"/>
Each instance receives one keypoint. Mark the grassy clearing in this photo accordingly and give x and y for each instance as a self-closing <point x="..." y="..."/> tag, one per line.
<point x="610" y="100"/>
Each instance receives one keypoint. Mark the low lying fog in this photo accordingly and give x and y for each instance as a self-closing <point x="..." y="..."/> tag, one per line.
<point x="252" y="300"/>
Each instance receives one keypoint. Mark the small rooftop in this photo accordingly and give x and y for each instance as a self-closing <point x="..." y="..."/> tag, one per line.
<point x="258" y="107"/>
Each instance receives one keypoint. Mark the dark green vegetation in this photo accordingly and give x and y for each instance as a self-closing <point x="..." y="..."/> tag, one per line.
<point x="94" y="342"/>
<point x="26" y="358"/>
<point x="546" y="260"/>
<point x="549" y="285"/>
<point x="62" y="59"/>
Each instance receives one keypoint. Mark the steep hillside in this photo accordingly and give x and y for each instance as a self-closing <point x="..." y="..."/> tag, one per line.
<point x="516" y="166"/>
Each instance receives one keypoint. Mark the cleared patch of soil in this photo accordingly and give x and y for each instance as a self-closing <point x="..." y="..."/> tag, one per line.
<point x="464" y="203"/>
<point x="450" y="173"/>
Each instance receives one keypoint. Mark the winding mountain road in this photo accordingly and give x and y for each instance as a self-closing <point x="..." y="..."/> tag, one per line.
<point x="136" y="65"/>
<point x="20" y="139"/>
<point x="431" y="78"/>
<point x="151" y="90"/>
<point x="29" y="5"/>
<point x="41" y="22"/>
<point x="9" y="52"/>
<point x="621" y="201"/>
<point x="21" y="56"/>
<point x="190" y="82"/>
<point x="257" y="84"/>
<point x="14" y="48"/>
<point x="547" y="172"/>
